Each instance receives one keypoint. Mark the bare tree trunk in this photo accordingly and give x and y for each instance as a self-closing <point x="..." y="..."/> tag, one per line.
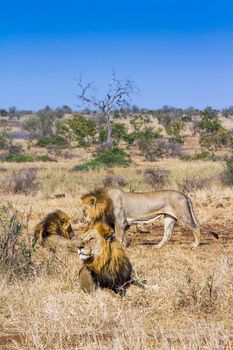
<point x="99" y="127"/>
<point x="109" y="130"/>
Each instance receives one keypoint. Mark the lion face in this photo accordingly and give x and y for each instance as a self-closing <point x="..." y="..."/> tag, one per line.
<point x="90" y="210"/>
<point x="92" y="242"/>
<point x="88" y="245"/>
<point x="64" y="224"/>
<point x="96" y="207"/>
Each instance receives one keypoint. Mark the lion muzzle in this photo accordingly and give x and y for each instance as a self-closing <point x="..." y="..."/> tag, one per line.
<point x="83" y="256"/>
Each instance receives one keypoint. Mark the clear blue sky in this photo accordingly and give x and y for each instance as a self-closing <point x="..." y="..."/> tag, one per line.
<point x="178" y="53"/>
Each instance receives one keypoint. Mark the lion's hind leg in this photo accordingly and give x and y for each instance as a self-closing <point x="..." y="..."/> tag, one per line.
<point x="197" y="236"/>
<point x="189" y="222"/>
<point x="169" y="223"/>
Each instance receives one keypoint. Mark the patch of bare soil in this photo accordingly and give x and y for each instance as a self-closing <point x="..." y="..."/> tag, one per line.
<point x="150" y="235"/>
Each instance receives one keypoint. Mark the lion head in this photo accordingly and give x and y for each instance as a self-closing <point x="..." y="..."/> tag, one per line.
<point x="55" y="223"/>
<point x="105" y="262"/>
<point x="97" y="206"/>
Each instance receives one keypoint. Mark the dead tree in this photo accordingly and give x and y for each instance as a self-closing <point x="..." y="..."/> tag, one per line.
<point x="117" y="96"/>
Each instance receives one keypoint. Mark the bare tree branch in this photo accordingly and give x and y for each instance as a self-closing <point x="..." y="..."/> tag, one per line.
<point x="118" y="95"/>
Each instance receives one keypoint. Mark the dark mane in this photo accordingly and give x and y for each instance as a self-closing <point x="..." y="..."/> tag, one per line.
<point x="99" y="193"/>
<point x="104" y="206"/>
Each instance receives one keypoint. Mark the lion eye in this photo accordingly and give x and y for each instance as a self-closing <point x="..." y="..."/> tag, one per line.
<point x="91" y="239"/>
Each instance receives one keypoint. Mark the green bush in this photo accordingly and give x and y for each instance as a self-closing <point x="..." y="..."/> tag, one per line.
<point x="15" y="249"/>
<point x="22" y="158"/>
<point x="5" y="140"/>
<point x="174" y="130"/>
<point x="228" y="176"/>
<point x="202" y="155"/>
<point x="48" y="141"/>
<point x="106" y="158"/>
<point x="82" y="129"/>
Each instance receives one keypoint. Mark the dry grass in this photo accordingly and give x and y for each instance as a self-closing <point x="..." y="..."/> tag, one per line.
<point x="189" y="299"/>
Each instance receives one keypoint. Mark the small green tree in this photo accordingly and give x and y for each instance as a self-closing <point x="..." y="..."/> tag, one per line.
<point x="43" y="123"/>
<point x="139" y="121"/>
<point x="32" y="125"/>
<point x="5" y="140"/>
<point x="174" y="131"/>
<point x="46" y="117"/>
<point x="213" y="134"/>
<point x="78" y="128"/>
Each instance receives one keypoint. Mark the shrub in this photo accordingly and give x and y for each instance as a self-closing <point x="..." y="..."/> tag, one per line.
<point x="111" y="180"/>
<point x="174" y="130"/>
<point x="52" y="141"/>
<point x="138" y="121"/>
<point x="213" y="134"/>
<point x="14" y="149"/>
<point x="202" y="155"/>
<point x="15" y="252"/>
<point x="210" y="123"/>
<point x="160" y="148"/>
<point x="5" y="140"/>
<point x="156" y="177"/>
<point x="25" y="158"/>
<point x="106" y="158"/>
<point x="228" y="173"/>
<point x="82" y="129"/>
<point x="42" y="123"/>
<point x="190" y="184"/>
<point x="191" y="293"/>
<point x="21" y="181"/>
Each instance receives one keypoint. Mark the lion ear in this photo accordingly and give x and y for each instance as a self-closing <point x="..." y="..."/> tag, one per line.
<point x="92" y="201"/>
<point x="104" y="230"/>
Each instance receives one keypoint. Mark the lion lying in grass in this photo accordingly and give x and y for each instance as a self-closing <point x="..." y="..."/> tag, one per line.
<point x="121" y="209"/>
<point x="105" y="263"/>
<point x="55" y="231"/>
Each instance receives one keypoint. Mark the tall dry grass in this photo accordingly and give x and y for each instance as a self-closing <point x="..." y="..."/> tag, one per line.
<point x="189" y="297"/>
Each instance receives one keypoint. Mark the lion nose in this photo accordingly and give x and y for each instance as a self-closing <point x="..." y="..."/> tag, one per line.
<point x="80" y="246"/>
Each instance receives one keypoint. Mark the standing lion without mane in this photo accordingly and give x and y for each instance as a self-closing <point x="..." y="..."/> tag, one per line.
<point x="121" y="209"/>
<point x="105" y="263"/>
<point x="55" y="231"/>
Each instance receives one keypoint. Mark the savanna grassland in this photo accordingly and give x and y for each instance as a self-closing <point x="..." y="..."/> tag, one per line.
<point x="188" y="301"/>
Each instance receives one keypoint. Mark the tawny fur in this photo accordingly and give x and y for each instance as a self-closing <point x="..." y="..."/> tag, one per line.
<point x="108" y="265"/>
<point x="121" y="209"/>
<point x="55" y="229"/>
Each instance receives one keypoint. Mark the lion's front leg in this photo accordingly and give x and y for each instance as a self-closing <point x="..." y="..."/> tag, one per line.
<point x="120" y="225"/>
<point x="120" y="232"/>
<point x="86" y="281"/>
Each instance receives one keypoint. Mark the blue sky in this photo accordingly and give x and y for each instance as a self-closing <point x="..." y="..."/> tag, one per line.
<point x="178" y="53"/>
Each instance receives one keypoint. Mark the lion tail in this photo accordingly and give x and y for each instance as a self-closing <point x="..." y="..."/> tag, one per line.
<point x="204" y="229"/>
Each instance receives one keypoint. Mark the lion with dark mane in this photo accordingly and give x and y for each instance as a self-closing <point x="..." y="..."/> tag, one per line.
<point x="121" y="209"/>
<point x="105" y="262"/>
<point x="54" y="231"/>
